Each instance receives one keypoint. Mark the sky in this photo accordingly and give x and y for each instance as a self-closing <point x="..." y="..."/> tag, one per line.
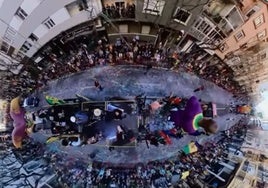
<point x="263" y="106"/>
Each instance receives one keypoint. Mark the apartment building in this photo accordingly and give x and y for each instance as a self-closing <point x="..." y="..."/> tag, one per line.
<point x="256" y="141"/>
<point x="243" y="23"/>
<point x="26" y="25"/>
<point x="247" y="175"/>
<point x="236" y="31"/>
<point x="218" y="27"/>
<point x="253" y="172"/>
<point x="254" y="166"/>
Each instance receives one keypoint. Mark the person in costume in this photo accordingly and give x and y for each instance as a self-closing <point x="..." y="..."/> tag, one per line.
<point x="17" y="114"/>
<point x="191" y="119"/>
<point x="244" y="109"/>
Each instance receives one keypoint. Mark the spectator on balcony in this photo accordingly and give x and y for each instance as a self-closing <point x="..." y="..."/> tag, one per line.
<point x="117" y="12"/>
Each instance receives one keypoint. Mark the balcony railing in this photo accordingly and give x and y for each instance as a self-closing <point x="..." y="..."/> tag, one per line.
<point x="121" y="13"/>
<point x="228" y="18"/>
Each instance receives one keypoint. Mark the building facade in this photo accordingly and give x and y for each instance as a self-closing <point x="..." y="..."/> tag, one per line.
<point x="254" y="166"/>
<point x="243" y="23"/>
<point x="25" y="25"/>
<point x="222" y="29"/>
<point x="245" y="49"/>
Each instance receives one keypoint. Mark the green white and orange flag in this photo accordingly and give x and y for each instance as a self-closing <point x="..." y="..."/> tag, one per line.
<point x="190" y="148"/>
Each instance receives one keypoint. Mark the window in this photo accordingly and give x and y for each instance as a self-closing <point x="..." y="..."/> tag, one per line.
<point x="239" y="35"/>
<point x="19" y="56"/>
<point x="262" y="35"/>
<point x="29" y="45"/>
<point x="11" y="31"/>
<point x="202" y="26"/>
<point x="182" y="16"/>
<point x="33" y="37"/>
<point x="24" y="49"/>
<point x="154" y="7"/>
<point x="212" y="34"/>
<point x="259" y="21"/>
<point x="252" y="11"/>
<point x="123" y="28"/>
<point x="207" y="30"/>
<point x="49" y="23"/>
<point x="145" y="29"/>
<point x="21" y="13"/>
<point x="223" y="47"/>
<point x="4" y="47"/>
<point x="9" y="35"/>
<point x="82" y="4"/>
<point x="120" y="4"/>
<point x="263" y="56"/>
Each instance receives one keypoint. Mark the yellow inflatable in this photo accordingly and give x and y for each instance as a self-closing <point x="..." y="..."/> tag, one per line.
<point x="15" y="105"/>
<point x="17" y="114"/>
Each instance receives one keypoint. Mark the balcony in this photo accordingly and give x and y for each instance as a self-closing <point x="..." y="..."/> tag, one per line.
<point x="92" y="7"/>
<point x="226" y="15"/>
<point x="226" y="26"/>
<point x="207" y="32"/>
<point x="119" y="10"/>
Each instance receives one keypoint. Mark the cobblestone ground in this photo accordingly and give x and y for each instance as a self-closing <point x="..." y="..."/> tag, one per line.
<point x="127" y="81"/>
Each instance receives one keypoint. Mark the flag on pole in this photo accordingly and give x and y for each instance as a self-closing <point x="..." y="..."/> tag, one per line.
<point x="190" y="148"/>
<point x="52" y="139"/>
<point x="166" y="137"/>
<point x="185" y="174"/>
<point x="53" y="100"/>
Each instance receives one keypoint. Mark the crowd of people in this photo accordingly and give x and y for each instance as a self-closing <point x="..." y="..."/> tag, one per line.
<point x="122" y="51"/>
<point x="14" y="84"/>
<point x="221" y="75"/>
<point x="78" y="172"/>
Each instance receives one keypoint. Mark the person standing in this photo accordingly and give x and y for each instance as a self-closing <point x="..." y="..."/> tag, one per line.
<point x="97" y="85"/>
<point x="148" y="67"/>
<point x="201" y="88"/>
